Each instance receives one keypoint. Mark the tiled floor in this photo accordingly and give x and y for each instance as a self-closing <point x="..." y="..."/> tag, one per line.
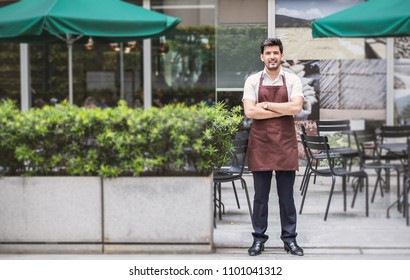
<point x="347" y="234"/>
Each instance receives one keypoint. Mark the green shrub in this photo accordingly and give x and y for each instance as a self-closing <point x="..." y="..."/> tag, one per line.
<point x="70" y="140"/>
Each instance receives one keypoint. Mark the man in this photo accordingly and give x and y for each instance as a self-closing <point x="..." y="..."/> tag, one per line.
<point x="271" y="98"/>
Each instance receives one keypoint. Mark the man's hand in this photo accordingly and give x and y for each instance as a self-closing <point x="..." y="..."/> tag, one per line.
<point x="256" y="111"/>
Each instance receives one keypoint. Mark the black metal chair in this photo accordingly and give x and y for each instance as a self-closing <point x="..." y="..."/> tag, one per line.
<point x="392" y="145"/>
<point x="342" y="127"/>
<point x="314" y="145"/>
<point x="302" y="184"/>
<point x="336" y="126"/>
<point x="396" y="138"/>
<point x="231" y="174"/>
<point x="318" y="157"/>
<point x="393" y="135"/>
<point x="370" y="158"/>
<point x="345" y="153"/>
<point x="403" y="197"/>
<point x="406" y="186"/>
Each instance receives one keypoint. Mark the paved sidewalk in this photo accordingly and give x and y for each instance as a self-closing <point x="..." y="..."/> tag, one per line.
<point x="344" y="236"/>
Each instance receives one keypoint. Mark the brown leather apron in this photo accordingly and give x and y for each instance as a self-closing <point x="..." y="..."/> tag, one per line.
<point x="272" y="142"/>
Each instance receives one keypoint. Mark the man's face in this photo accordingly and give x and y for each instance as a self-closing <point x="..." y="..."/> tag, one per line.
<point x="271" y="57"/>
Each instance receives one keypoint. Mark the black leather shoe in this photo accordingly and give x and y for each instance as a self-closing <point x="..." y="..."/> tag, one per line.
<point x="256" y="248"/>
<point x="293" y="248"/>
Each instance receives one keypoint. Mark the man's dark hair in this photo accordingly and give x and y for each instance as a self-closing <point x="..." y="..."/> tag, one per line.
<point x="272" y="42"/>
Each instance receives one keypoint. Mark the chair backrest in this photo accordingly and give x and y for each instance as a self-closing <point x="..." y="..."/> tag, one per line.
<point x="366" y="143"/>
<point x="242" y="134"/>
<point x="315" y="145"/>
<point x="303" y="128"/>
<point x="308" y="153"/>
<point x="334" y="126"/>
<point x="238" y="158"/>
<point x="398" y="133"/>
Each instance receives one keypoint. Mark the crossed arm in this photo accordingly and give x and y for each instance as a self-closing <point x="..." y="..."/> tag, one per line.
<point x="255" y="110"/>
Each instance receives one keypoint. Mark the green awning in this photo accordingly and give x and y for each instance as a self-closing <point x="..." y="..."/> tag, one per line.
<point x="374" y="18"/>
<point x="40" y="21"/>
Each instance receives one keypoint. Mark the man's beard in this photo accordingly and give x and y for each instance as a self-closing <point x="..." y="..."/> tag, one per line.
<point x="273" y="68"/>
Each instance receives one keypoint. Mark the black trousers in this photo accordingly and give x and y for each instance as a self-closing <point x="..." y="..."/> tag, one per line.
<point x="262" y="184"/>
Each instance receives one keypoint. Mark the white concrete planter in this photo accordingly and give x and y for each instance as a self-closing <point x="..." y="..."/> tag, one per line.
<point x="91" y="215"/>
<point x="37" y="213"/>
<point x="157" y="214"/>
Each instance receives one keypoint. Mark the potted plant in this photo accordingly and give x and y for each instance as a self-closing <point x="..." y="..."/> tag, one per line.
<point x="111" y="180"/>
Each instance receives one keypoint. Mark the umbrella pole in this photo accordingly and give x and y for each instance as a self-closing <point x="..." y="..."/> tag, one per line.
<point x="70" y="41"/>
<point x="70" y="72"/>
<point x="122" y="94"/>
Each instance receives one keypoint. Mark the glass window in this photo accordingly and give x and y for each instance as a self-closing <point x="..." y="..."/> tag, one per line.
<point x="183" y="61"/>
<point x="402" y="79"/>
<point x="238" y="37"/>
<point x="96" y="71"/>
<point x="9" y="71"/>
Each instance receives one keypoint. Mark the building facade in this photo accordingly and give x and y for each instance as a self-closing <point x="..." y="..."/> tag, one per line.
<point x="209" y="55"/>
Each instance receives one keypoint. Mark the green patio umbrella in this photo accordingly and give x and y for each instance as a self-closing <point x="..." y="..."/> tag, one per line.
<point x="47" y="21"/>
<point x="373" y="18"/>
